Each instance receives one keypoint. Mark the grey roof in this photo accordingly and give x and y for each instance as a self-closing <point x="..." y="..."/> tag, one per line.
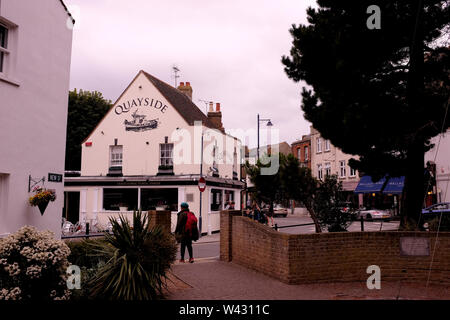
<point x="185" y="107"/>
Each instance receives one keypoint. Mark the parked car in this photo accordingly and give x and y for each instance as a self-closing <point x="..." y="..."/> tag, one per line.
<point x="373" y="214"/>
<point x="437" y="208"/>
<point x="278" y="210"/>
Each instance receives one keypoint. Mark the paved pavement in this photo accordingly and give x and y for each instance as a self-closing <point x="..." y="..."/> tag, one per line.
<point x="212" y="279"/>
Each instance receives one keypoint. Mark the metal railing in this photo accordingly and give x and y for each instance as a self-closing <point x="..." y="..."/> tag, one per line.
<point x="86" y="234"/>
<point x="276" y="227"/>
<point x="361" y="219"/>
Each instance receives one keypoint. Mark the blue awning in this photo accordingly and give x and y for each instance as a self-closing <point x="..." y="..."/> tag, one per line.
<point x="366" y="185"/>
<point x="394" y="185"/>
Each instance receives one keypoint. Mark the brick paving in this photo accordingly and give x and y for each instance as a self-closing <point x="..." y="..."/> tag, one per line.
<point x="211" y="279"/>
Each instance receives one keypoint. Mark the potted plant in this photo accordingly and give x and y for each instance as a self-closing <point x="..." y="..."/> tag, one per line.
<point x="41" y="198"/>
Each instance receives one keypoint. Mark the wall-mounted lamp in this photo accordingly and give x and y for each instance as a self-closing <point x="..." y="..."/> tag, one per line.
<point x="103" y="132"/>
<point x="147" y="142"/>
<point x="140" y="87"/>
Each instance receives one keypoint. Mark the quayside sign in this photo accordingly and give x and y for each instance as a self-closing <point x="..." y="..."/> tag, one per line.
<point x="140" y="102"/>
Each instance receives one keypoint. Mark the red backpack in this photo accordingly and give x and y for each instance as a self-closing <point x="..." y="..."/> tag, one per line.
<point x="191" y="226"/>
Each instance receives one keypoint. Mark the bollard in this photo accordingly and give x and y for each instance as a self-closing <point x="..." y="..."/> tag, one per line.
<point x="362" y="223"/>
<point x="276" y="227"/>
<point x="87" y="229"/>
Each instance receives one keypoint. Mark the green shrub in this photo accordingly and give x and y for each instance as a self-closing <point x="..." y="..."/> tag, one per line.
<point x="85" y="253"/>
<point x="33" y="266"/>
<point x="327" y="200"/>
<point x="138" y="259"/>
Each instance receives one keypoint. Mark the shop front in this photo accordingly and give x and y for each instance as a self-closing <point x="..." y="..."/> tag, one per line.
<point x="384" y="194"/>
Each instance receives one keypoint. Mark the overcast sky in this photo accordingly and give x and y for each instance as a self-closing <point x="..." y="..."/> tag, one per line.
<point x="230" y="51"/>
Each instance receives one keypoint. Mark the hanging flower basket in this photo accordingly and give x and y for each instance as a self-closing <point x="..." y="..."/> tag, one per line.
<point x="41" y="198"/>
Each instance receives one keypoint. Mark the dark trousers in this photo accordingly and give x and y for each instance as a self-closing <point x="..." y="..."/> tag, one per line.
<point x="186" y="243"/>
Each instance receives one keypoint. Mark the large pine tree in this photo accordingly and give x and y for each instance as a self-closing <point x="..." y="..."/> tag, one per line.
<point x="377" y="93"/>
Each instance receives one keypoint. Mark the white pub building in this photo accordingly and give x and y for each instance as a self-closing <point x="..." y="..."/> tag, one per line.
<point x="148" y="153"/>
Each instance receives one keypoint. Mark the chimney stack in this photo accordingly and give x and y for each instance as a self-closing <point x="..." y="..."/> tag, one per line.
<point x="186" y="89"/>
<point x="215" y="116"/>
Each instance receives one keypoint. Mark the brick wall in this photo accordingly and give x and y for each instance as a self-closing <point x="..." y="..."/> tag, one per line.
<point x="330" y="257"/>
<point x="162" y="218"/>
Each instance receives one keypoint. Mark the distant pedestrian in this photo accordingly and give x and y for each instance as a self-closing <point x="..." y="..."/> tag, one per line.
<point x="232" y="205"/>
<point x="270" y="214"/>
<point x="186" y="231"/>
<point x="256" y="211"/>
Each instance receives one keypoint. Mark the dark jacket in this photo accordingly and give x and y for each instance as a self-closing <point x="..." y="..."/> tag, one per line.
<point x="180" y="230"/>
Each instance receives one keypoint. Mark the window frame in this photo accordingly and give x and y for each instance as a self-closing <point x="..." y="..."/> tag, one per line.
<point x="319" y="172"/>
<point x="319" y="145"/>
<point x="8" y="50"/>
<point x="327" y="169"/>
<point x="306" y="153"/>
<point x="115" y="162"/>
<point x="352" y="172"/>
<point x="342" y="169"/>
<point x="166" y="159"/>
<point x="327" y="145"/>
<point x="4" y="51"/>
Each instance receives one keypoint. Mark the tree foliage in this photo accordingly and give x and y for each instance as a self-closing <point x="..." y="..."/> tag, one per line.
<point x="86" y="109"/>
<point x="377" y="93"/>
<point x="292" y="182"/>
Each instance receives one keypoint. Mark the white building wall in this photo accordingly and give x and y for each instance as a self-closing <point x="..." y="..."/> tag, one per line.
<point x="33" y="99"/>
<point x="440" y="154"/>
<point x="333" y="156"/>
<point x="141" y="149"/>
<point x="141" y="155"/>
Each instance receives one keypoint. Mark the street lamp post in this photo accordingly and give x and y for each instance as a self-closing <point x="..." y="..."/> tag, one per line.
<point x="201" y="175"/>
<point x="269" y="124"/>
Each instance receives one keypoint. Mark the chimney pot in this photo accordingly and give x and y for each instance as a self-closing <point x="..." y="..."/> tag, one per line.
<point x="188" y="84"/>
<point x="181" y="84"/>
<point x="218" y="107"/>
<point x="211" y="106"/>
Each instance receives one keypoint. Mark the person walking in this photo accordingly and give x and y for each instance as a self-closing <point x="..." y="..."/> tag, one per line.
<point x="186" y="231"/>
<point x="256" y="211"/>
<point x="270" y="214"/>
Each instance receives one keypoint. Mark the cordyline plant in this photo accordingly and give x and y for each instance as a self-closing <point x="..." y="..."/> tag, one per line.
<point x="41" y="195"/>
<point x="138" y="258"/>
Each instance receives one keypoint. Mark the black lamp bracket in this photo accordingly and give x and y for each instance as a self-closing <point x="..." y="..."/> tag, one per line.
<point x="32" y="182"/>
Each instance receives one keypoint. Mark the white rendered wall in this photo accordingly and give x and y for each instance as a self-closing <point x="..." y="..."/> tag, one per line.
<point x="141" y="149"/>
<point x="34" y="110"/>
<point x="440" y="154"/>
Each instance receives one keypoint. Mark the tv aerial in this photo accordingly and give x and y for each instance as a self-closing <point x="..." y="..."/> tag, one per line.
<point x="175" y="71"/>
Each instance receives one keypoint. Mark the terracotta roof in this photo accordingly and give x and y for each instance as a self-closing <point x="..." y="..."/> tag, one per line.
<point x="185" y="107"/>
